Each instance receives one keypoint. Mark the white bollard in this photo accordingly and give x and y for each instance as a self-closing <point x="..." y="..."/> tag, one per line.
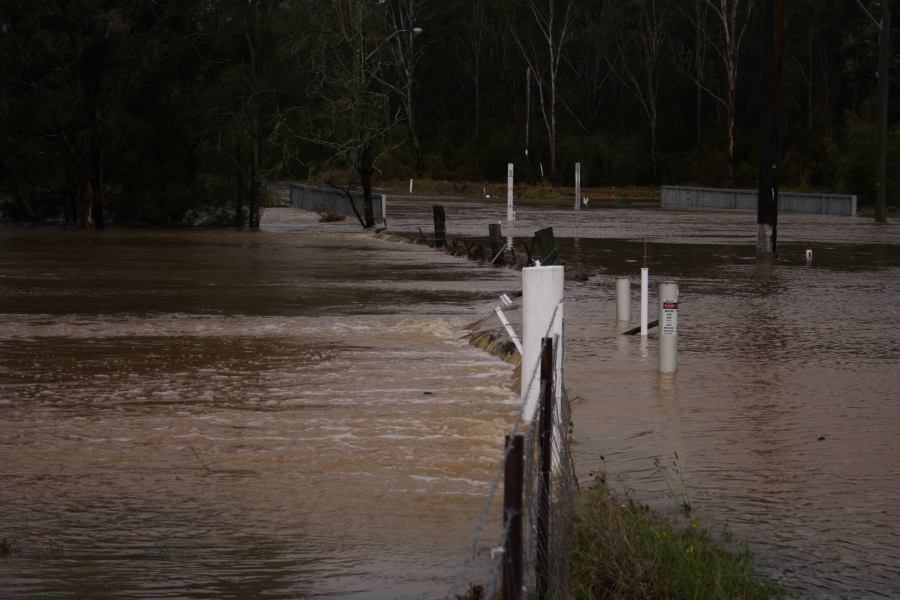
<point x="668" y="328"/>
<point x="577" y="186"/>
<point x="410" y="186"/>
<point x="645" y="301"/>
<point x="623" y="299"/>
<point x="542" y="293"/>
<point x="510" y="215"/>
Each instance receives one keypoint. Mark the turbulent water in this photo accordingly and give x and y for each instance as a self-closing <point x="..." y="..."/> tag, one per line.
<point x="291" y="413"/>
<point x="784" y="413"/>
<point x="233" y="414"/>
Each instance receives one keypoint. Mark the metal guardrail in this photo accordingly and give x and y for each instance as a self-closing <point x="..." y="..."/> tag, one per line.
<point x="788" y="202"/>
<point x="329" y="200"/>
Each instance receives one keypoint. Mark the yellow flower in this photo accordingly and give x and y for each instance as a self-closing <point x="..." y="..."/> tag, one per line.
<point x="690" y="549"/>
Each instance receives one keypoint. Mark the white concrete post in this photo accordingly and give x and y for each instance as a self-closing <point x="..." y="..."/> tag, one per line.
<point x="623" y="299"/>
<point x="542" y="293"/>
<point x="668" y="328"/>
<point x="645" y="301"/>
<point x="510" y="215"/>
<point x="577" y="186"/>
<point x="410" y="186"/>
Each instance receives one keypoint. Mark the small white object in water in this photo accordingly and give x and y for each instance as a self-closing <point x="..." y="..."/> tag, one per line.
<point x="808" y="255"/>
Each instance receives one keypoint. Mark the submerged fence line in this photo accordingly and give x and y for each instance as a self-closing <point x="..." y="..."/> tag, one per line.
<point x="548" y="484"/>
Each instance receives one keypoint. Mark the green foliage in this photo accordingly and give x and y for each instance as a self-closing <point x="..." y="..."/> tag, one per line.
<point x="857" y="162"/>
<point x="622" y="549"/>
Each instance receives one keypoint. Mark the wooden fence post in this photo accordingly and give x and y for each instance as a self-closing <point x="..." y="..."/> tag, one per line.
<point x="440" y="230"/>
<point x="512" y="517"/>
<point x="542" y="566"/>
<point x="545" y="247"/>
<point x="497" y="243"/>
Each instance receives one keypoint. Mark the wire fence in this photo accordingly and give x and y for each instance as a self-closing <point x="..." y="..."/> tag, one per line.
<point x="529" y="556"/>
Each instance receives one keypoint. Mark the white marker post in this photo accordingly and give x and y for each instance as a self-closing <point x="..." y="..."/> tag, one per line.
<point x="410" y="186"/>
<point x="645" y="301"/>
<point x="668" y="328"/>
<point x="542" y="295"/>
<point x="623" y="299"/>
<point x="510" y="215"/>
<point x="577" y="186"/>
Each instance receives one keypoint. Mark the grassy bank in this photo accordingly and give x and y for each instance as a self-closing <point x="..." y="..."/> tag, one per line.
<point x="623" y="549"/>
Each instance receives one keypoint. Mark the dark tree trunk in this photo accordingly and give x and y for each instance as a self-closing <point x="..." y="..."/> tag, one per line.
<point x="365" y="170"/>
<point x="91" y="72"/>
<point x="239" y="215"/>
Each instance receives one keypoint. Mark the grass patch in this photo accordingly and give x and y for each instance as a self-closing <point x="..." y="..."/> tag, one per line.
<point x="330" y="217"/>
<point x="540" y="192"/>
<point x="623" y="201"/>
<point x="622" y="549"/>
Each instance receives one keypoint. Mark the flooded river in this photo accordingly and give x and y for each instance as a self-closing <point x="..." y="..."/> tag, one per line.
<point x="218" y="414"/>
<point x="291" y="413"/>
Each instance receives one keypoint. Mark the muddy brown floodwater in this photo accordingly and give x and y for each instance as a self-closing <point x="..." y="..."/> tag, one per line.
<point x="785" y="412"/>
<point x="291" y="413"/>
<point x="282" y="414"/>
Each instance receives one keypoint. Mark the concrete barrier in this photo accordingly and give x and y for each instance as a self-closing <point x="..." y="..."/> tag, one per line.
<point x="330" y="200"/>
<point x="788" y="202"/>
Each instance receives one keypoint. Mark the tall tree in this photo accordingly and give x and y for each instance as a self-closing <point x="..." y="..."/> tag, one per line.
<point x="471" y="45"/>
<point x="733" y="20"/>
<point x="541" y="37"/>
<point x="76" y="65"/>
<point x="251" y="94"/>
<point x="349" y="60"/>
<point x="639" y="32"/>
<point x="405" y="20"/>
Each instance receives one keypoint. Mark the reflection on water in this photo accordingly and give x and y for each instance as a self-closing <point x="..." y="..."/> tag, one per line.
<point x="208" y="414"/>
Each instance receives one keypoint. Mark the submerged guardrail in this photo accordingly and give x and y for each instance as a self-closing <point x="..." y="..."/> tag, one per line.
<point x="673" y="196"/>
<point x="332" y="200"/>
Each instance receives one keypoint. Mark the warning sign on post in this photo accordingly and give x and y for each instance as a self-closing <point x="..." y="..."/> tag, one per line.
<point x="669" y="324"/>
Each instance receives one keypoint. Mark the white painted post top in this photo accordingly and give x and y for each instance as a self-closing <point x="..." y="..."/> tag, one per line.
<point x="542" y="292"/>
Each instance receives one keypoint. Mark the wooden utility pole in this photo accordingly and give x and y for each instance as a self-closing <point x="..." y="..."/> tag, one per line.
<point x="770" y="115"/>
<point x="884" y="78"/>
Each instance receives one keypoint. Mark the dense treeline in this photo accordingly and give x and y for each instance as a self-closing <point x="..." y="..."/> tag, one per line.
<point x="172" y="111"/>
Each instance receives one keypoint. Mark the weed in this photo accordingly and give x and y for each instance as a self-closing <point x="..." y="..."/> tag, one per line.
<point x="625" y="550"/>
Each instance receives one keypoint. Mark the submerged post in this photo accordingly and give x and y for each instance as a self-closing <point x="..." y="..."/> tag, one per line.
<point x="645" y="304"/>
<point x="512" y="517"/>
<point x="623" y="299"/>
<point x="542" y="294"/>
<point x="497" y="243"/>
<point x="440" y="229"/>
<point x="510" y="213"/>
<point x="577" y="186"/>
<point x="545" y="246"/>
<point x="542" y="561"/>
<point x="668" y="328"/>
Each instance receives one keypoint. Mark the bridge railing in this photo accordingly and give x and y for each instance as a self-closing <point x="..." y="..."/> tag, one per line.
<point x="330" y="200"/>
<point x="673" y="196"/>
